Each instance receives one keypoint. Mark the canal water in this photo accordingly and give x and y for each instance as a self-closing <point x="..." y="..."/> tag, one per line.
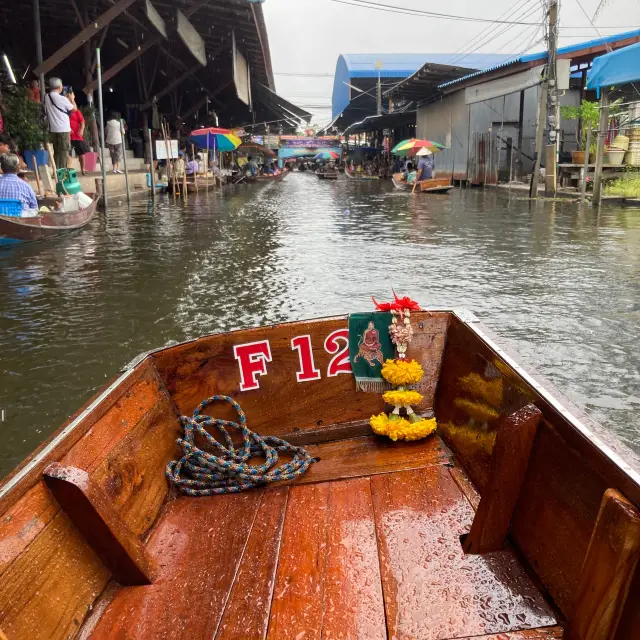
<point x="558" y="284"/>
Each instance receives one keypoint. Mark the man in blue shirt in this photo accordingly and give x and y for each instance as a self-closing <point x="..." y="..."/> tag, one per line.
<point x="425" y="167"/>
<point x="13" y="187"/>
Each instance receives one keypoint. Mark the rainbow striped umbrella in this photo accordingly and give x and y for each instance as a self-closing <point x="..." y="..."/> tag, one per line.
<point x="219" y="139"/>
<point x="413" y="145"/>
<point x="327" y="155"/>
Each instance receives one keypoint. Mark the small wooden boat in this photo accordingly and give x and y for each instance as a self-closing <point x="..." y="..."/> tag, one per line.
<point x="433" y="185"/>
<point x="359" y="176"/>
<point x="275" y="178"/>
<point x="327" y="175"/>
<point x="44" y="225"/>
<point x="516" y="520"/>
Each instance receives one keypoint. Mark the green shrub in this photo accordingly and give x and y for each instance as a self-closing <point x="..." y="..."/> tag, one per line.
<point x="23" y="119"/>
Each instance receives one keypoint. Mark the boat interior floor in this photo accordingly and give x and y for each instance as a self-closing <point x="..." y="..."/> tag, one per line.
<point x="365" y="545"/>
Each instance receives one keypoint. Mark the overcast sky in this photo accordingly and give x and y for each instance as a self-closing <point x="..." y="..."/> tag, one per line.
<point x="307" y="36"/>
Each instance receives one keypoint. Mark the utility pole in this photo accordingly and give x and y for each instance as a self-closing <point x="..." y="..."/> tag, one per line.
<point x="554" y="107"/>
<point x="378" y="67"/>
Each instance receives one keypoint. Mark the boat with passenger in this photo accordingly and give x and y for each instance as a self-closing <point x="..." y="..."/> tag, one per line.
<point x="388" y="474"/>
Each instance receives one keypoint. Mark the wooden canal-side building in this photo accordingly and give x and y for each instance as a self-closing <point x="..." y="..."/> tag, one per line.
<point x="487" y="119"/>
<point x="200" y="61"/>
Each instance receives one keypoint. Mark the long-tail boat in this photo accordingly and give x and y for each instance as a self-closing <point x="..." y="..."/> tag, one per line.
<point x="432" y="185"/>
<point x="271" y="178"/>
<point x="45" y="225"/>
<point x="516" y="520"/>
<point x="352" y="175"/>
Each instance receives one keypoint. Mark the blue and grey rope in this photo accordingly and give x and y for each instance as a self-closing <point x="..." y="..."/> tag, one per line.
<point x="225" y="468"/>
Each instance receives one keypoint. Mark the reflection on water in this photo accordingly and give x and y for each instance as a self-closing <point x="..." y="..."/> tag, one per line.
<point x="559" y="283"/>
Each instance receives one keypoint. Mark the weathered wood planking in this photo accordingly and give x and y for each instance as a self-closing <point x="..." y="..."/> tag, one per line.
<point x="247" y="612"/>
<point x="509" y="462"/>
<point x="207" y="366"/>
<point x="353" y="602"/>
<point x="612" y="557"/>
<point x="432" y="590"/>
<point x="117" y="411"/>
<point x="297" y="605"/>
<point x="466" y="486"/>
<point x="370" y="455"/>
<point x="545" y="633"/>
<point x="101" y="526"/>
<point x="197" y="544"/>
<point x="566" y="476"/>
<point x="46" y="592"/>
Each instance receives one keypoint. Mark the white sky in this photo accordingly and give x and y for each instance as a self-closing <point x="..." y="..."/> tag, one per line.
<point x="307" y="36"/>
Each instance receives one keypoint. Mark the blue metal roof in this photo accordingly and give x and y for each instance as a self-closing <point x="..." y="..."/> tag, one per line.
<point x="618" y="67"/>
<point x="394" y="65"/>
<point x="542" y="55"/>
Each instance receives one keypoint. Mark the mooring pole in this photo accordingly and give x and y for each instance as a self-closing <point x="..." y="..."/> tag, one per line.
<point x="101" y="113"/>
<point x="585" y="169"/>
<point x="152" y="173"/>
<point x="124" y="159"/>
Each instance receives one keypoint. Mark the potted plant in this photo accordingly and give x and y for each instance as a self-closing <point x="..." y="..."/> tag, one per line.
<point x="24" y="123"/>
<point x="589" y="115"/>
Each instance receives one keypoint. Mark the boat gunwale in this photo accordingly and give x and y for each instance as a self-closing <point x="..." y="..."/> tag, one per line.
<point x="543" y="388"/>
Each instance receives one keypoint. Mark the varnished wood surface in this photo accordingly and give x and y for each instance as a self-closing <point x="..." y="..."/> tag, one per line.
<point x="99" y="523"/>
<point x="197" y="545"/>
<point x="466" y="486"/>
<point x="611" y="560"/>
<point x="370" y="455"/>
<point x="249" y="604"/>
<point x="509" y="462"/>
<point x="544" y="633"/>
<point x="432" y="590"/>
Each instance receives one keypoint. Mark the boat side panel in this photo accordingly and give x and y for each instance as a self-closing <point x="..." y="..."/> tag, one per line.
<point x="281" y="404"/>
<point x="566" y="475"/>
<point x="46" y="593"/>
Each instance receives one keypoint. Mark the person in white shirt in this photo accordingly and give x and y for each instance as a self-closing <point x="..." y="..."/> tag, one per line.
<point x="114" y="140"/>
<point x="58" y="109"/>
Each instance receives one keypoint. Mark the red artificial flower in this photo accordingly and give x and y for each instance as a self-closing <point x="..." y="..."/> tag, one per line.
<point x="400" y="303"/>
<point x="382" y="306"/>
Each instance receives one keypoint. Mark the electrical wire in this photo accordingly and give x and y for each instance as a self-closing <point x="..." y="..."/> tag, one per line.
<point x="419" y="12"/>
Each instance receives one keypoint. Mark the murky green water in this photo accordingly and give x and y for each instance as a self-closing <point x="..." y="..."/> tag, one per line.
<point x="562" y="286"/>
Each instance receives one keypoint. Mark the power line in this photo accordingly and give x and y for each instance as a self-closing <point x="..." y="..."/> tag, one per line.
<point x="417" y="12"/>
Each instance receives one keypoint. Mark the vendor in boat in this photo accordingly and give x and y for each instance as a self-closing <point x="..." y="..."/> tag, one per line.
<point x="13" y="188"/>
<point x="425" y="167"/>
<point x="268" y="169"/>
<point x="251" y="166"/>
<point x="192" y="166"/>
<point x="410" y="173"/>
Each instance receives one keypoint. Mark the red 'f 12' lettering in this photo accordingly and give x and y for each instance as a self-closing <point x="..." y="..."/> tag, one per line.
<point x="340" y="362"/>
<point x="252" y="359"/>
<point x="308" y="369"/>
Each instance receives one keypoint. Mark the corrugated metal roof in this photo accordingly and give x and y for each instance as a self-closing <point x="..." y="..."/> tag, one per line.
<point x="403" y="65"/>
<point x="542" y="55"/>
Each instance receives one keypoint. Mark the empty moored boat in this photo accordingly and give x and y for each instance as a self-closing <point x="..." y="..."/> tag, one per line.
<point x="513" y="521"/>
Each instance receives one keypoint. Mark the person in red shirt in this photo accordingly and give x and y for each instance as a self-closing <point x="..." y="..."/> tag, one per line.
<point x="76" y="119"/>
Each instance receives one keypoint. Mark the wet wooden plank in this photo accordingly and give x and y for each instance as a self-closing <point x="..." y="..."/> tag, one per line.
<point x="105" y="531"/>
<point x="509" y="463"/>
<point x="197" y="545"/>
<point x="466" y="486"/>
<point x="608" y="569"/>
<point x="297" y="607"/>
<point x="24" y="521"/>
<point x="370" y="455"/>
<point x="353" y="603"/>
<point x="133" y="473"/>
<point x="249" y="604"/>
<point x="432" y="590"/>
<point x="545" y="633"/>
<point x="46" y="593"/>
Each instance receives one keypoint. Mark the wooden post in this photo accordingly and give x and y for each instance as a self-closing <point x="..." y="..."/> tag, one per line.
<point x="35" y="163"/>
<point x="603" y="127"/>
<point x="607" y="571"/>
<point x="124" y="159"/>
<point x="92" y="512"/>
<point x="585" y="170"/>
<point x="520" y="165"/>
<point x="101" y="113"/>
<point x="506" y="473"/>
<point x="206" y="169"/>
<point x="195" y="175"/>
<point x="38" y="34"/>
<point x="152" y="172"/>
<point x="542" y="119"/>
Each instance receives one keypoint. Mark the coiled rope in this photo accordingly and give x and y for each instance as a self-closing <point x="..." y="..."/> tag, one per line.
<point x="203" y="473"/>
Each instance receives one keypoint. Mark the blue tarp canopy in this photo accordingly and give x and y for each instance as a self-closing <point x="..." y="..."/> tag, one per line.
<point x="618" y="67"/>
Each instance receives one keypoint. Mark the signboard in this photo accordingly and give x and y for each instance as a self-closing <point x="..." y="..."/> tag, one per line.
<point x="155" y="19"/>
<point x="310" y="143"/>
<point x="191" y="38"/>
<point x="161" y="149"/>
<point x="256" y="139"/>
<point x="272" y="142"/>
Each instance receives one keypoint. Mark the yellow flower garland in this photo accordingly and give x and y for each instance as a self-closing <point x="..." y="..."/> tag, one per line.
<point x="402" y="398"/>
<point x="401" y="428"/>
<point x="402" y="372"/>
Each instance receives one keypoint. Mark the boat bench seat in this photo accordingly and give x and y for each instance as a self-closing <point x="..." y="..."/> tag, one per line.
<point x="365" y="545"/>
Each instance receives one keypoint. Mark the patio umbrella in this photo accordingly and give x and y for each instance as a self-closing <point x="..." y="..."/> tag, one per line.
<point x="413" y="145"/>
<point x="327" y="155"/>
<point x="219" y="139"/>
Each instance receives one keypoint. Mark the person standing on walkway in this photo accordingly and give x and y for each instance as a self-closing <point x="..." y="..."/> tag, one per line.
<point x="78" y="144"/>
<point x="58" y="109"/>
<point x="114" y="140"/>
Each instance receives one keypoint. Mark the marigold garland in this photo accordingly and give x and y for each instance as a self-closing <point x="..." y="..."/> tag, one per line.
<point x="399" y="397"/>
<point x="402" y="372"/>
<point x="398" y="428"/>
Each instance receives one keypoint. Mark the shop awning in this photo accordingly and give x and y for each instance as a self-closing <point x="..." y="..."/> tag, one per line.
<point x="618" y="67"/>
